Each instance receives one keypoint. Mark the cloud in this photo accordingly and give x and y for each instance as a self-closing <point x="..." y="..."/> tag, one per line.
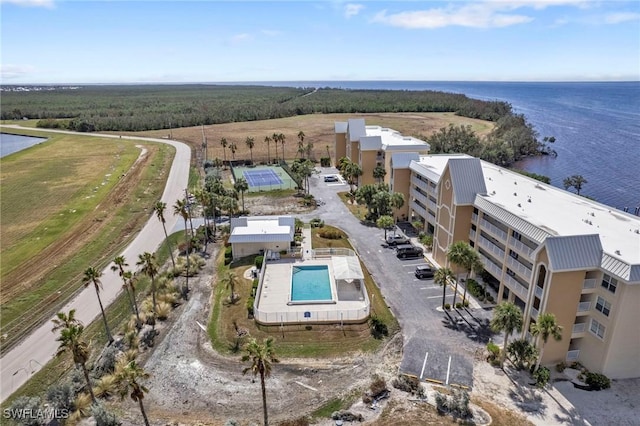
<point x="352" y="9"/>
<point x="478" y="15"/>
<point x="31" y="3"/>
<point x="617" y="18"/>
<point x="239" y="38"/>
<point x="8" y="72"/>
<point x="271" y="33"/>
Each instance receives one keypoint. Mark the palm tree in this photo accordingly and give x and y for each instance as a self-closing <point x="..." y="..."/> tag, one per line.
<point x="233" y="147"/>
<point x="459" y="255"/>
<point x="442" y="277"/>
<point x="223" y="142"/>
<point x="147" y="261"/>
<point x="267" y="140"/>
<point x="282" y="138"/>
<point x="241" y="185"/>
<point x="250" y="144"/>
<point x="119" y="263"/>
<point x="71" y="340"/>
<point x="180" y="208"/>
<point x="473" y="264"/>
<point x="275" y="138"/>
<point x="92" y="276"/>
<point x="397" y="200"/>
<point x="128" y="378"/>
<point x="507" y="317"/>
<point x="379" y="173"/>
<point x="261" y="357"/>
<point x="352" y="170"/>
<point x="130" y="282"/>
<point x="575" y="181"/>
<point x="385" y="222"/>
<point x="300" y="144"/>
<point x="546" y="326"/>
<point x="203" y="198"/>
<point x="230" y="281"/>
<point x="160" y="207"/>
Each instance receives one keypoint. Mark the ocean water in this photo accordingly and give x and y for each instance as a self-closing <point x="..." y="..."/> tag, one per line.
<point x="13" y="143"/>
<point x="596" y="126"/>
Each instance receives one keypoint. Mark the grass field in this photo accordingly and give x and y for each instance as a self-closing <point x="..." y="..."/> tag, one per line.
<point x="71" y="202"/>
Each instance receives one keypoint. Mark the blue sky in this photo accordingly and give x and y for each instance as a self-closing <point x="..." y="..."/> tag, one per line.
<point x="51" y="41"/>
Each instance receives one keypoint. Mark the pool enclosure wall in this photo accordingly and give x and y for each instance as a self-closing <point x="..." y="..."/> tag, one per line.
<point x="349" y="302"/>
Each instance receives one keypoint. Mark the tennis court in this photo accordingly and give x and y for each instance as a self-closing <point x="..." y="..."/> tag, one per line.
<point x="265" y="178"/>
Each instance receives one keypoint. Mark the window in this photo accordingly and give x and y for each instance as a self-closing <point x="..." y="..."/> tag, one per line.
<point x="603" y="306"/>
<point x="516" y="235"/>
<point x="513" y="254"/>
<point x="597" y="328"/>
<point x="609" y="283"/>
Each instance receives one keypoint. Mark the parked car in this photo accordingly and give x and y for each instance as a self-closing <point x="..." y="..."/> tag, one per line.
<point x="408" y="250"/>
<point x="393" y="240"/>
<point x="424" y="271"/>
<point x="331" y="178"/>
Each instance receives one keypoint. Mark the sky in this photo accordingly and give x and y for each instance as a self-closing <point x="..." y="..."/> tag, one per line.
<point x="52" y="41"/>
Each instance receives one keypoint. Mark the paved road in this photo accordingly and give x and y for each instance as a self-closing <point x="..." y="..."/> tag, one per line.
<point x="416" y="303"/>
<point x="39" y="347"/>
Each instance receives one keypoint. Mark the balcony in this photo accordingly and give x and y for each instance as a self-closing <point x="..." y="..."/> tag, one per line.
<point x="491" y="267"/>
<point x="474" y="217"/>
<point x="491" y="247"/>
<point x="421" y="211"/>
<point x="578" y="328"/>
<point x="519" y="268"/>
<point x="584" y="307"/>
<point x="539" y="292"/>
<point x="589" y="284"/>
<point x="432" y="205"/>
<point x="534" y="313"/>
<point x="516" y="287"/>
<point x="472" y="235"/>
<point x="420" y="184"/>
<point x="418" y="196"/>
<point x="521" y="248"/>
<point x="573" y="355"/>
<point x="494" y="230"/>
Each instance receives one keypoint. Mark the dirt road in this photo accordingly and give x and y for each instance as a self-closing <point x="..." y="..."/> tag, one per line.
<point x="17" y="365"/>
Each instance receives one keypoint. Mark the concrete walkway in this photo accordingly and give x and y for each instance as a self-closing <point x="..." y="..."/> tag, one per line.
<point x="306" y="243"/>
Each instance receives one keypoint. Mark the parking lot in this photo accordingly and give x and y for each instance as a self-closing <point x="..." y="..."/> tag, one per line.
<point x="438" y="346"/>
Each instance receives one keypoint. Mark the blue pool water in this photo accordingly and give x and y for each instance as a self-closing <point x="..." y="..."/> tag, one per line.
<point x="310" y="283"/>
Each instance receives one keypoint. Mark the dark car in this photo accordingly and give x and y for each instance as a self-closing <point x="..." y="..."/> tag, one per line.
<point x="331" y="178"/>
<point x="393" y="240"/>
<point x="424" y="271"/>
<point x="407" y="250"/>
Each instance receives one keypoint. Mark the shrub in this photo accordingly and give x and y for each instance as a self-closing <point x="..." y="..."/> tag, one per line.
<point x="458" y="305"/>
<point x="447" y="306"/>
<point x="494" y="353"/>
<point x="378" y="327"/>
<point x="163" y="310"/>
<point x="102" y="416"/>
<point x="325" y="162"/>
<point x="542" y="376"/>
<point x="378" y="385"/>
<point x="61" y="396"/>
<point x="409" y="384"/>
<point x="316" y="223"/>
<point x="466" y="304"/>
<point x="107" y="361"/>
<point x="250" y="301"/>
<point x="330" y="234"/>
<point x="22" y="405"/>
<point x="561" y="366"/>
<point x="258" y="261"/>
<point x="457" y="404"/>
<point x="523" y="353"/>
<point x="106" y="386"/>
<point x="598" y="381"/>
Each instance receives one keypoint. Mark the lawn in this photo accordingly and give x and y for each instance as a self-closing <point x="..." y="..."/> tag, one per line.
<point x="358" y="210"/>
<point x="292" y="340"/>
<point x="71" y="202"/>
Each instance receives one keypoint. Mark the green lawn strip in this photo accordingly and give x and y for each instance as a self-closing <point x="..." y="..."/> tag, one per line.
<point x="359" y="211"/>
<point x="118" y="314"/>
<point x="66" y="279"/>
<point x="292" y="341"/>
<point x="336" y="404"/>
<point x="19" y="187"/>
<point x="194" y="177"/>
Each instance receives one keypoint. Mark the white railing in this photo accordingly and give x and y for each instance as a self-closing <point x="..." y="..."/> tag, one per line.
<point x="494" y="229"/>
<point x="419" y="183"/>
<point x="589" y="283"/>
<point x="328" y="252"/>
<point x="534" y="313"/>
<point x="539" y="292"/>
<point x="519" y="267"/>
<point x="491" y="247"/>
<point x="573" y="355"/>
<point x="320" y="316"/>
<point x="579" y="328"/>
<point x="516" y="286"/>
<point x="419" y="209"/>
<point x="522" y="248"/>
<point x="472" y="235"/>
<point x="474" y="217"/>
<point x="432" y="205"/>
<point x="491" y="267"/>
<point x="418" y="196"/>
<point x="584" y="306"/>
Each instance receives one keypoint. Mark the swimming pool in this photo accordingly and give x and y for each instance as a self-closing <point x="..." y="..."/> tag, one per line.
<point x="310" y="283"/>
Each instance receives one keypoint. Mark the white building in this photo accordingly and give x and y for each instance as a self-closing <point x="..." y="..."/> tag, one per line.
<point x="253" y="234"/>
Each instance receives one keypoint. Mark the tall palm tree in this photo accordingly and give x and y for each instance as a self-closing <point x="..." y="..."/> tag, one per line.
<point x="71" y="340"/>
<point x="128" y="378"/>
<point x="250" y="144"/>
<point x="546" y="326"/>
<point x="300" y="144"/>
<point x="223" y="142"/>
<point x="119" y="263"/>
<point x="182" y="209"/>
<point x="241" y="185"/>
<point x="474" y="264"/>
<point x="275" y="138"/>
<point x="130" y="282"/>
<point x="149" y="267"/>
<point x="160" y="207"/>
<point x="230" y="281"/>
<point x="267" y="140"/>
<point x="92" y="276"/>
<point x="442" y="277"/>
<point x="261" y="356"/>
<point x="233" y="148"/>
<point x="507" y="317"/>
<point x="458" y="254"/>
<point x="282" y="138"/>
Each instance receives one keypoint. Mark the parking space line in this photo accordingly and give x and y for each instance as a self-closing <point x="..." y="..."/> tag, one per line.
<point x="413" y="264"/>
<point x="435" y="297"/>
<point x="424" y="364"/>
<point x="448" y="371"/>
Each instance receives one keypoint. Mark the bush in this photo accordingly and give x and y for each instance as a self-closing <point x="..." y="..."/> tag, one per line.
<point x="378" y="385"/>
<point x="598" y="381"/>
<point x="494" y="353"/>
<point x="447" y="306"/>
<point x="561" y="366"/>
<point x="378" y="327"/>
<point x="316" y="223"/>
<point x="523" y="353"/>
<point x="250" y="301"/>
<point x="409" y="384"/>
<point x="542" y="376"/>
<point x="457" y="404"/>
<point x="466" y="304"/>
<point x="22" y="405"/>
<point x="61" y="396"/>
<point x="102" y="416"/>
<point x="258" y="261"/>
<point x="458" y="305"/>
<point x="228" y="252"/>
<point x="325" y="162"/>
<point x="330" y="234"/>
<point x="107" y="361"/>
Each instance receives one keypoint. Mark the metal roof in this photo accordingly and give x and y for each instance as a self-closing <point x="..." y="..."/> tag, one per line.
<point x="356" y="128"/>
<point x="370" y="143"/>
<point x="346" y="268"/>
<point x="262" y="229"/>
<point x="573" y="252"/>
<point x="522" y="226"/>
<point x="621" y="269"/>
<point x="467" y="179"/>
<point x="401" y="160"/>
<point x="341" y="126"/>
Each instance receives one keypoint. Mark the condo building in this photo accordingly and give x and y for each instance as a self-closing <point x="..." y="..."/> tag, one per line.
<point x="544" y="249"/>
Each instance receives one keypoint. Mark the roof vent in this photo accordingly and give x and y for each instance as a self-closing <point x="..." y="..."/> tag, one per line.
<point x="515" y="193"/>
<point x="493" y="192"/>
<point x="519" y="205"/>
<point x="618" y="252"/>
<point x="637" y="231"/>
<point x="515" y="182"/>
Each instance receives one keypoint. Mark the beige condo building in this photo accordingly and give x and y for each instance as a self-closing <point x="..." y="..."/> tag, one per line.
<point x="547" y="250"/>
